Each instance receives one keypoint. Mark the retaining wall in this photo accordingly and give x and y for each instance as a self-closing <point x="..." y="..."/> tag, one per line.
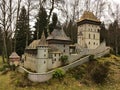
<point x="42" y="77"/>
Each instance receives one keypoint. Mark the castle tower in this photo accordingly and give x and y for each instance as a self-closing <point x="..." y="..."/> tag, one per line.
<point x="89" y="26"/>
<point x="42" y="55"/>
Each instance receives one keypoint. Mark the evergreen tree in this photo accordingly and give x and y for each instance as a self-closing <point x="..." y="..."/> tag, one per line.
<point x="103" y="33"/>
<point x="113" y="37"/>
<point x="41" y="23"/>
<point x="54" y="22"/>
<point x="21" y="31"/>
<point x="71" y="30"/>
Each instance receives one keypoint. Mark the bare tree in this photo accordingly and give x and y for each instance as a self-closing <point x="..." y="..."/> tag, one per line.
<point x="7" y="10"/>
<point x="16" y="21"/>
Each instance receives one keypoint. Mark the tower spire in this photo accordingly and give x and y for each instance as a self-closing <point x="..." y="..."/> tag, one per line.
<point x="43" y="40"/>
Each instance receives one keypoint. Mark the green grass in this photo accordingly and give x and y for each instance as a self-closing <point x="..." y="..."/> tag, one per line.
<point x="7" y="81"/>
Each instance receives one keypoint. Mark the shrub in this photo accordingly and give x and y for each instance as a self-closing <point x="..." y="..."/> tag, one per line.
<point x="4" y="67"/>
<point x="91" y="58"/>
<point x="77" y="72"/>
<point x="58" y="74"/>
<point x="100" y="73"/>
<point x="107" y="55"/>
<point x="22" y="80"/>
<point x="64" y="59"/>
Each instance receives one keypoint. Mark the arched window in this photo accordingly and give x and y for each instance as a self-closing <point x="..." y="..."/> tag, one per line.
<point x="89" y="43"/>
<point x="98" y="30"/>
<point x="89" y="36"/>
<point x="94" y="36"/>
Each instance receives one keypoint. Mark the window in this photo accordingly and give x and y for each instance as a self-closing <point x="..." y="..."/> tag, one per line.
<point x="98" y="30"/>
<point x="64" y="45"/>
<point x="59" y="59"/>
<point x="64" y="50"/>
<point x="89" y="35"/>
<point x="44" y="62"/>
<point x="55" y="55"/>
<point x="55" y="59"/>
<point x="94" y="43"/>
<point x="44" y="50"/>
<point x="89" y="43"/>
<point x="59" y="54"/>
<point x="44" y="55"/>
<point x="94" y="36"/>
<point x="52" y="62"/>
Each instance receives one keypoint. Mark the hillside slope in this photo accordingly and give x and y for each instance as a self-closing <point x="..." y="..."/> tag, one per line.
<point x="100" y="74"/>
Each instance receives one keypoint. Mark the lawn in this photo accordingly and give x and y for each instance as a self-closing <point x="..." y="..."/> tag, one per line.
<point x="68" y="83"/>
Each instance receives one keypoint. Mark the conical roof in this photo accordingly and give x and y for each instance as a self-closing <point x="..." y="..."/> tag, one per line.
<point x="58" y="34"/>
<point x="14" y="55"/>
<point x="43" y="41"/>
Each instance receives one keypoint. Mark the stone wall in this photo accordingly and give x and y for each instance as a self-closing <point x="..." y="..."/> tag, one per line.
<point x="30" y="62"/>
<point x="42" y="77"/>
<point x="90" y="34"/>
<point x="37" y="77"/>
<point x="99" y="49"/>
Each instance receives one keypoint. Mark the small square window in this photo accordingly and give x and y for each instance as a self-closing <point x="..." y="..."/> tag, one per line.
<point x="52" y="62"/>
<point x="89" y="42"/>
<point x="44" y="62"/>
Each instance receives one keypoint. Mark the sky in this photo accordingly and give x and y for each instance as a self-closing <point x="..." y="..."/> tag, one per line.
<point x="107" y="18"/>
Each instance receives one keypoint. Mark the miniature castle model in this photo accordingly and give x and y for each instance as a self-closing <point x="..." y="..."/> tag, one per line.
<point x="44" y="54"/>
<point x="88" y="31"/>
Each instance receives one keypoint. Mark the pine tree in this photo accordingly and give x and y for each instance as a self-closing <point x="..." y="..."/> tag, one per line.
<point x="21" y="32"/>
<point x="114" y="36"/>
<point x="54" y="22"/>
<point x="71" y="30"/>
<point x="103" y="33"/>
<point x="41" y="23"/>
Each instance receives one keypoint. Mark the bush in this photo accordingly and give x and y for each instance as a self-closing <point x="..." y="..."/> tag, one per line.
<point x="100" y="73"/>
<point x="22" y="80"/>
<point x="107" y="55"/>
<point x="58" y="74"/>
<point x="64" y="59"/>
<point x="77" y="72"/>
<point x="5" y="66"/>
<point x="91" y="58"/>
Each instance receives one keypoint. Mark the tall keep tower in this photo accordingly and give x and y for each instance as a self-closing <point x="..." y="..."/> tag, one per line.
<point x="88" y="30"/>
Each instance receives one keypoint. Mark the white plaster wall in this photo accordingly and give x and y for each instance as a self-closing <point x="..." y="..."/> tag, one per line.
<point x="42" y="65"/>
<point x="30" y="62"/>
<point x="92" y="30"/>
<point x="42" y="59"/>
<point x="42" y="52"/>
<point x="54" y="62"/>
<point x="38" y="77"/>
<point x="62" y="48"/>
